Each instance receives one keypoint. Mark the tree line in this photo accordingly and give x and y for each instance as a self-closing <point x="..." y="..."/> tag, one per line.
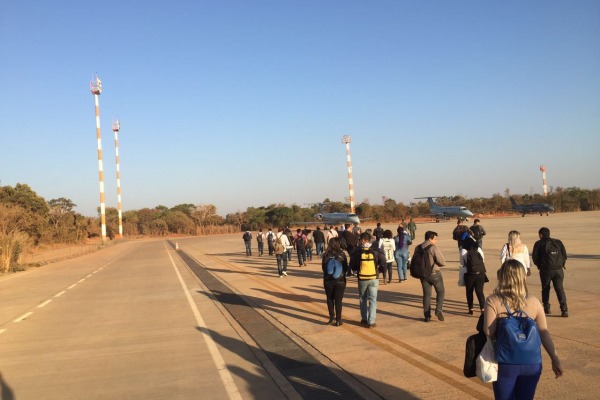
<point x="27" y="220"/>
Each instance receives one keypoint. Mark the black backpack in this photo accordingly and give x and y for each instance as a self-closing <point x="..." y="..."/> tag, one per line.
<point x="420" y="264"/>
<point x="300" y="242"/>
<point x="246" y="237"/>
<point x="552" y="256"/>
<point x="474" y="262"/>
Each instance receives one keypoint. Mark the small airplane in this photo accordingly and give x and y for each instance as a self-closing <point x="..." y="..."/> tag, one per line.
<point x="531" y="208"/>
<point x="334" y="218"/>
<point x="447" y="212"/>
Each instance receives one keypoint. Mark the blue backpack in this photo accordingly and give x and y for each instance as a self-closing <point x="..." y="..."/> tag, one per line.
<point x="518" y="339"/>
<point x="334" y="268"/>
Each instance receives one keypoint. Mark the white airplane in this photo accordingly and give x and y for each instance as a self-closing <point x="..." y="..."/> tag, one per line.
<point x="446" y="212"/>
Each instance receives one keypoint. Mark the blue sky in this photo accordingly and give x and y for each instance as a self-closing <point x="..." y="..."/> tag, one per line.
<point x="244" y="103"/>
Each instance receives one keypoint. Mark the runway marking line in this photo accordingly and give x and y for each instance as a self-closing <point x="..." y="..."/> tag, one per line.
<point x="22" y="317"/>
<point x="44" y="303"/>
<point x="60" y="294"/>
<point x="224" y="374"/>
<point x="72" y="286"/>
<point x="2" y="331"/>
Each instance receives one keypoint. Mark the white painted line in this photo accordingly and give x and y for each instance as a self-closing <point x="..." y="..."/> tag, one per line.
<point x="2" y="331"/>
<point x="95" y="272"/>
<point x="72" y="286"/>
<point x="88" y="275"/>
<point x="22" y="317"/>
<point x="44" y="304"/>
<point x="232" y="390"/>
<point x="81" y="280"/>
<point x="60" y="294"/>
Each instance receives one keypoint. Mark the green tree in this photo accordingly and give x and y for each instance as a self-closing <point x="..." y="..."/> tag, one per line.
<point x="13" y="237"/>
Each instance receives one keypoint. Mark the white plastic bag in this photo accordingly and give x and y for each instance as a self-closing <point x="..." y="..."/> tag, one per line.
<point x="461" y="276"/>
<point x="487" y="367"/>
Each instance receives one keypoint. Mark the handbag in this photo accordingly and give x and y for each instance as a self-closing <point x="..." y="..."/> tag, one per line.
<point x="473" y="347"/>
<point x="487" y="366"/>
<point x="461" y="275"/>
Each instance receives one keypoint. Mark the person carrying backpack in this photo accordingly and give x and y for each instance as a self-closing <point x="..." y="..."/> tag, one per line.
<point x="550" y="256"/>
<point x="472" y="258"/>
<point x="247" y="236"/>
<point x="431" y="259"/>
<point x="300" y="245"/>
<point x="281" y="244"/>
<point x="260" y="239"/>
<point x="270" y="241"/>
<point x="388" y="247"/>
<point x="517" y="345"/>
<point x="367" y="261"/>
<point x="334" y="265"/>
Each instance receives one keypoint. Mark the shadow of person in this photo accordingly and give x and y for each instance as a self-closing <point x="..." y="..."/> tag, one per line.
<point x="6" y="392"/>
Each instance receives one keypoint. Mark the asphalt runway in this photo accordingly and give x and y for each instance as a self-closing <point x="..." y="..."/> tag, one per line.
<point x="142" y="320"/>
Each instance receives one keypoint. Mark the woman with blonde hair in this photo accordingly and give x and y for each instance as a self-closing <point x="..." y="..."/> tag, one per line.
<point x="515" y="250"/>
<point x="517" y="381"/>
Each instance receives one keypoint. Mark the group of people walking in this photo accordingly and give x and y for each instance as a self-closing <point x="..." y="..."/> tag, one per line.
<point x="367" y="254"/>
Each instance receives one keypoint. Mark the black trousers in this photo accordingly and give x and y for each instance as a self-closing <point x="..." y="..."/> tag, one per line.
<point x="556" y="277"/>
<point x="475" y="282"/>
<point x="334" y="290"/>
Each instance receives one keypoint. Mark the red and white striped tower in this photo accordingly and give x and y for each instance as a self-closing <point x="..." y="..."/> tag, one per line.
<point x="543" y="169"/>
<point x="346" y="139"/>
<point x="116" y="125"/>
<point x="96" y="89"/>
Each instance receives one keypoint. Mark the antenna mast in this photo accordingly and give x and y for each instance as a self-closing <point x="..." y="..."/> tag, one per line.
<point x="96" y="89"/>
<point x="116" y="126"/>
<point x="346" y="139"/>
<point x="544" y="186"/>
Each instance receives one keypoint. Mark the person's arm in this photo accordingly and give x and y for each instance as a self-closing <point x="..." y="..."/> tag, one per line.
<point x="503" y="253"/>
<point x="535" y="254"/>
<point x="463" y="258"/>
<point x="527" y="260"/>
<point x="438" y="257"/>
<point x="563" y="251"/>
<point x="490" y="318"/>
<point x="547" y="341"/>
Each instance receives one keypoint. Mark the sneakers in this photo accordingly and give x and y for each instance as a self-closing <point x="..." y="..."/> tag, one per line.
<point x="281" y="276"/>
<point x="427" y="319"/>
<point x="364" y="322"/>
<point x="439" y="316"/>
<point x="284" y="273"/>
<point x="564" y="314"/>
<point x="373" y="325"/>
<point x="338" y="323"/>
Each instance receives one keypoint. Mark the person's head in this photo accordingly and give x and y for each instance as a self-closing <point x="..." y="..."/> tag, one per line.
<point x="347" y="226"/>
<point x="318" y="228"/>
<point x="298" y="231"/>
<point x="476" y="221"/>
<point x="260" y="230"/>
<point x="544" y="233"/>
<point x="365" y="237"/>
<point x="458" y="221"/>
<point x="511" y="284"/>
<point x="334" y="246"/>
<point x="379" y="224"/>
<point x="280" y="229"/>
<point x="431" y="236"/>
<point x="400" y="231"/>
<point x="330" y="227"/>
<point x="514" y="238"/>
<point x="387" y="234"/>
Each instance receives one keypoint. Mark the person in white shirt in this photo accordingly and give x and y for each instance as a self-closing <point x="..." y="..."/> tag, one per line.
<point x="516" y="250"/>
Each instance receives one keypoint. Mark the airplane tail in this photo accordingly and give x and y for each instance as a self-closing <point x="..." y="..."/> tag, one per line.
<point x="513" y="202"/>
<point x="431" y="202"/>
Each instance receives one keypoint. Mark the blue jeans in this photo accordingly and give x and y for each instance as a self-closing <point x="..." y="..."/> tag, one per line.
<point x="281" y="262"/>
<point x="367" y="293"/>
<point x="248" y="248"/>
<point x="289" y="253"/>
<point x="260" y="248"/>
<point x="320" y="249"/>
<point x="517" y="381"/>
<point x="437" y="282"/>
<point x="402" y="261"/>
<point x="301" y="256"/>
<point x="309" y="253"/>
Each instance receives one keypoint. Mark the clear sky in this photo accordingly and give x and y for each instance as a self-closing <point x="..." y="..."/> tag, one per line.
<point x="242" y="103"/>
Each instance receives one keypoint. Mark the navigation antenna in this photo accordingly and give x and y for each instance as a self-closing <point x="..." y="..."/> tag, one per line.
<point x="545" y="187"/>
<point x="116" y="126"/>
<point x="346" y="139"/>
<point x="96" y="89"/>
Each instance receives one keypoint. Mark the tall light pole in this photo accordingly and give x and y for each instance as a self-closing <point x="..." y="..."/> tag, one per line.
<point x="116" y="125"/>
<point x="544" y="185"/>
<point x="346" y="139"/>
<point x="96" y="89"/>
